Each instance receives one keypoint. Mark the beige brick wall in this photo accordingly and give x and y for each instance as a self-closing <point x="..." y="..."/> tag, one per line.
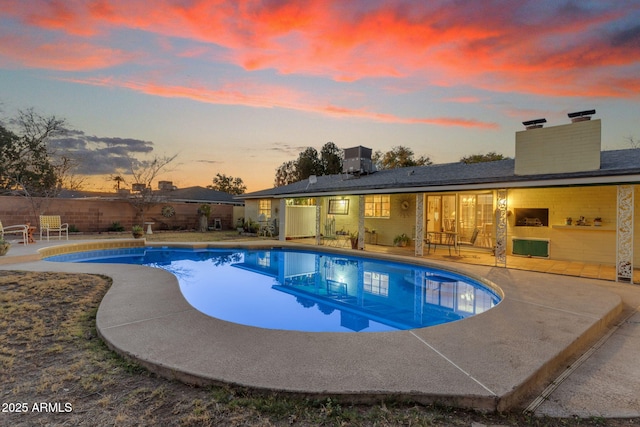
<point x="251" y="209"/>
<point x="572" y="147"/>
<point x="93" y="215"/>
<point x="347" y="223"/>
<point x="400" y="221"/>
<point x="590" y="244"/>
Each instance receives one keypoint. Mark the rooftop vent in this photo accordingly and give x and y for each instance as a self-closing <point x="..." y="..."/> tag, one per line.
<point x="138" y="187"/>
<point x="166" y="186"/>
<point x="534" y="124"/>
<point x="581" y="116"/>
<point x="357" y="161"/>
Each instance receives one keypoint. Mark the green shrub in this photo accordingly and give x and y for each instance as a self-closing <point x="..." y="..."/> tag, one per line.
<point x="116" y="226"/>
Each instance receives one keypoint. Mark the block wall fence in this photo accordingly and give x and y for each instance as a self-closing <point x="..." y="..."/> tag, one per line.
<point x="96" y="215"/>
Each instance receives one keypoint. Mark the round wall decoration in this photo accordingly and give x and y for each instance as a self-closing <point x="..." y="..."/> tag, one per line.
<point x="404" y="207"/>
<point x="168" y="211"/>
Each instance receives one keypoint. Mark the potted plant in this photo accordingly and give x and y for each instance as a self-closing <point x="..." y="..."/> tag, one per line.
<point x="353" y="238"/>
<point x="401" y="240"/>
<point x="204" y="212"/>
<point x="597" y="221"/>
<point x="569" y="220"/>
<point x="4" y="247"/>
<point x="137" y="231"/>
<point x="252" y="226"/>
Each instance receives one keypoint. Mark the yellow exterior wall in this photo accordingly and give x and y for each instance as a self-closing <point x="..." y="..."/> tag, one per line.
<point x="251" y="210"/>
<point x="575" y="243"/>
<point x="400" y="220"/>
<point x="572" y="147"/>
<point x="346" y="223"/>
<point x="586" y="244"/>
<point x="636" y="226"/>
<point x="238" y="212"/>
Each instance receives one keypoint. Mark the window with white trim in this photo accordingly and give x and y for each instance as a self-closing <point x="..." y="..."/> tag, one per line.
<point x="264" y="208"/>
<point x="376" y="283"/>
<point x="377" y="206"/>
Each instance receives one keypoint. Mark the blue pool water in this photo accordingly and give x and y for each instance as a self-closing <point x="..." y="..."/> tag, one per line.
<point x="309" y="291"/>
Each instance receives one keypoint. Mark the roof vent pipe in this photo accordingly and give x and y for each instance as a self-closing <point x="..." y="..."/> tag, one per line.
<point x="581" y="116"/>
<point x="534" y="124"/>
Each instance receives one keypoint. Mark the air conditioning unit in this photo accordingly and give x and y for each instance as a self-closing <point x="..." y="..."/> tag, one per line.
<point x="357" y="161"/>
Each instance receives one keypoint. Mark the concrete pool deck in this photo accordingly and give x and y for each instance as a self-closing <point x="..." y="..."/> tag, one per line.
<point x="498" y="360"/>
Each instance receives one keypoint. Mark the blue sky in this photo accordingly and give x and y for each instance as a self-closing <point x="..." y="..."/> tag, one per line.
<point x="240" y="87"/>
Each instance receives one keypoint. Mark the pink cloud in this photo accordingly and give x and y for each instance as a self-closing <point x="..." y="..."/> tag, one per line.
<point x="66" y="55"/>
<point x="463" y="100"/>
<point x="273" y="97"/>
<point x="500" y="46"/>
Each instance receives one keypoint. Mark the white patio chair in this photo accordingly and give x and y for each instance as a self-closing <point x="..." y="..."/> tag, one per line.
<point x="15" y="229"/>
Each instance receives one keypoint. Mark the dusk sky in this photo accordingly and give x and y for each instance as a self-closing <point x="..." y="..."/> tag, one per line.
<point x="239" y="87"/>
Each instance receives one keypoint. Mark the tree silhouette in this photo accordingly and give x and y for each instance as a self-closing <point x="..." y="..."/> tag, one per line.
<point x="309" y="162"/>
<point x="228" y="184"/>
<point x="398" y="157"/>
<point x="481" y="158"/>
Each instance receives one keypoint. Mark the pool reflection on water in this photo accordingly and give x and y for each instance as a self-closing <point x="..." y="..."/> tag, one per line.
<point x="310" y="291"/>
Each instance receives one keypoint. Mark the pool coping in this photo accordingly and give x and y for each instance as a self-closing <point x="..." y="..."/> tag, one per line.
<point x="542" y="323"/>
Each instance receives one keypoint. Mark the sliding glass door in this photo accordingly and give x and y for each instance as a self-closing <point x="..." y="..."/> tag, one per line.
<point x="470" y="215"/>
<point x="441" y="213"/>
<point x="476" y="219"/>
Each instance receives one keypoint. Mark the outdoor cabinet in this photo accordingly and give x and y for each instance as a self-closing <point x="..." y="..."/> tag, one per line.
<point x="531" y="247"/>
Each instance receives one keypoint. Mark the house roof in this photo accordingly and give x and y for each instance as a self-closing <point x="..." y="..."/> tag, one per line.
<point x="201" y="194"/>
<point x="617" y="166"/>
<point x="189" y="194"/>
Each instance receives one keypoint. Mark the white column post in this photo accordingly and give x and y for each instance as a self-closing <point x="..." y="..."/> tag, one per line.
<point x="501" y="228"/>
<point x="360" y="222"/>
<point x="624" y="234"/>
<point x="318" y="210"/>
<point x="282" y="220"/>
<point x="419" y="225"/>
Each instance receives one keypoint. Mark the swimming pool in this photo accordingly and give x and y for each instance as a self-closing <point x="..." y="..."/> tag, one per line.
<point x="309" y="291"/>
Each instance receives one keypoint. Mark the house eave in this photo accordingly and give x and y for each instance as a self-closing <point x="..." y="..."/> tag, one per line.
<point x="213" y="202"/>
<point x="492" y="185"/>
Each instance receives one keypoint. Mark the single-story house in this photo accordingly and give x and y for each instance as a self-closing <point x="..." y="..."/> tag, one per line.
<point x="561" y="198"/>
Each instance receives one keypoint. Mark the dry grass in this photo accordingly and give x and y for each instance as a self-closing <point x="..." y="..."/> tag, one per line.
<point x="49" y="353"/>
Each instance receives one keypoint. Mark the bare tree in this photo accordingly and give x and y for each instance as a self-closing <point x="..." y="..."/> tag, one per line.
<point x="143" y="174"/>
<point x="31" y="166"/>
<point x="633" y="143"/>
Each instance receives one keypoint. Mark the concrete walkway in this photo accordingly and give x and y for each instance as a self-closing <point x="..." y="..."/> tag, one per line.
<point x="501" y="359"/>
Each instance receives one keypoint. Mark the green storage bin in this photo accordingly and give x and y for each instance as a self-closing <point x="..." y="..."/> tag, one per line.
<point x="527" y="247"/>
